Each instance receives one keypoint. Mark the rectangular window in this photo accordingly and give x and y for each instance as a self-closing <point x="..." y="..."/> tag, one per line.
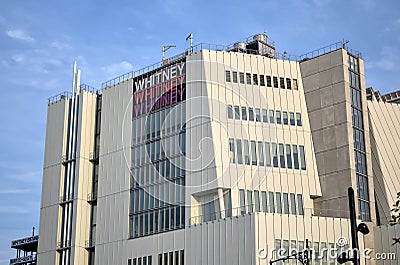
<point x="289" y="83"/>
<point x="241" y="77"/>
<point x="230" y="112"/>
<point x="159" y="259"/>
<point x="268" y="154"/>
<point x="228" y="76"/>
<point x="357" y="118"/>
<point x="182" y="257"/>
<point x="253" y="153"/>
<point x="258" y="115"/>
<point x="269" y="83"/>
<point x="271" y="200"/>
<point x="260" y="153"/>
<point x="288" y="156"/>
<point x="298" y="119"/>
<point x="264" y="201"/>
<point x="244" y="113"/>
<point x="165" y="258"/>
<point x="249" y="201"/>
<point x="271" y="116"/>
<point x="262" y="80"/>
<point x="302" y="158"/>
<point x="285" y="118"/>
<point x="358" y="137"/>
<point x="282" y="156"/>
<point x="282" y="82"/>
<point x="248" y="78"/>
<point x="232" y="150"/>
<point x="285" y="203"/>
<point x="171" y="258"/>
<point x="265" y="115"/>
<point x="255" y="79"/>
<point x="295" y="157"/>
<point x="293" y="203"/>
<point x="295" y="85"/>
<point x="239" y="151"/>
<point x="257" y="201"/>
<point x="278" y="117"/>
<point x="246" y="152"/>
<point x="242" y="202"/>
<point x="355" y="97"/>
<point x="275" y="82"/>
<point x="251" y="114"/>
<point x="292" y="120"/>
<point x="234" y="77"/>
<point x="237" y="113"/>
<point x="274" y="155"/>
<point x="300" y="204"/>
<point x="278" y="202"/>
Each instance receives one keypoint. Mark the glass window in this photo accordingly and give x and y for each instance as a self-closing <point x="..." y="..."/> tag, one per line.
<point x="232" y="150"/>
<point x="275" y="82"/>
<point x="228" y="76"/>
<point x="248" y="78"/>
<point x="255" y="79"/>
<point x="234" y="77"/>
<point x="171" y="258"/>
<point x="258" y="114"/>
<point x="285" y="118"/>
<point x="260" y="153"/>
<point x="265" y="115"/>
<point x="271" y="200"/>
<point x="302" y="158"/>
<point x="358" y="136"/>
<point x="237" y="113"/>
<point x="242" y="202"/>
<point x="288" y="83"/>
<point x="293" y="203"/>
<point x="282" y="82"/>
<point x="298" y="119"/>
<point x="357" y="118"/>
<point x="268" y="154"/>
<point x="230" y="112"/>
<point x="285" y="203"/>
<point x="282" y="156"/>
<point x="182" y="257"/>
<point x="246" y="152"/>
<point x="288" y="156"/>
<point x="253" y="153"/>
<point x="251" y="114"/>
<point x="264" y="201"/>
<point x="355" y="96"/>
<point x="292" y="121"/>
<point x="278" y="202"/>
<point x="274" y="155"/>
<point x="271" y="116"/>
<point x="262" y="80"/>
<point x="269" y="83"/>
<point x="165" y="258"/>
<point x="295" y="86"/>
<point x="176" y="257"/>
<point x="300" y="204"/>
<point x="241" y="77"/>
<point x="295" y="157"/>
<point x="244" y="113"/>
<point x="239" y="151"/>
<point x="278" y="117"/>
<point x="257" y="200"/>
<point x="249" y="201"/>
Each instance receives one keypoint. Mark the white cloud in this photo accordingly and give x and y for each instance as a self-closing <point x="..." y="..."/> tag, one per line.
<point x="19" y="58"/>
<point x="21" y="35"/>
<point x="116" y="69"/>
<point x="60" y="46"/>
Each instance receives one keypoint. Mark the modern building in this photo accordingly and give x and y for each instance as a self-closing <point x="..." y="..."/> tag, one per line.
<point x="26" y="249"/>
<point x="216" y="156"/>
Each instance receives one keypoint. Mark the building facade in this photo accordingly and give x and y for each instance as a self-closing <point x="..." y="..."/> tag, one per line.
<point x="215" y="156"/>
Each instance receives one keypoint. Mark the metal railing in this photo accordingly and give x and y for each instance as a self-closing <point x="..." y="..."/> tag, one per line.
<point x="24" y="241"/>
<point x="94" y="156"/>
<point x="63" y="244"/>
<point x="88" y="88"/>
<point x="23" y="260"/>
<point x="327" y="49"/>
<point x="59" y="97"/>
<point x="66" y="198"/>
<point x="92" y="197"/>
<point x="90" y="243"/>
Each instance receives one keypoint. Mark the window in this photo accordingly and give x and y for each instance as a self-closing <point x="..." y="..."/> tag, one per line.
<point x="269" y="83"/>
<point x="295" y="157"/>
<point x="230" y="112"/>
<point x="288" y="156"/>
<point x="288" y="83"/>
<point x="268" y="154"/>
<point x="248" y="78"/>
<point x="281" y="156"/>
<point x="262" y="80"/>
<point x="271" y="117"/>
<point x="358" y="136"/>
<point x="182" y="257"/>
<point x="257" y="201"/>
<point x="264" y="201"/>
<point x="258" y="114"/>
<point x="251" y="114"/>
<point x="234" y="77"/>
<point x="275" y="82"/>
<point x="242" y="202"/>
<point x="246" y="152"/>
<point x="357" y="118"/>
<point x="285" y="118"/>
<point x="300" y="204"/>
<point x="278" y="202"/>
<point x="260" y="153"/>
<point x="285" y="203"/>
<point x="249" y="201"/>
<point x="274" y="155"/>
<point x="292" y="121"/>
<point x="271" y="200"/>
<point x="244" y="113"/>
<point x="239" y="151"/>
<point x="298" y="119"/>
<point x="295" y="86"/>
<point x="278" y="117"/>
<point x="231" y="150"/>
<point x="253" y="153"/>
<point x="237" y="113"/>
<point x="293" y="203"/>
<point x="302" y="158"/>
<point x="228" y="76"/>
<point x="282" y="82"/>
<point x="355" y="96"/>
<point x="265" y="115"/>
<point x="241" y="77"/>
<point x="255" y="79"/>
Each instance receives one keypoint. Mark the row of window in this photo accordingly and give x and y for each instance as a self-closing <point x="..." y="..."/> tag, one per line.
<point x="261" y="80"/>
<point x="267" y="154"/>
<point x="157" y="221"/>
<point x="272" y="202"/>
<point x="171" y="258"/>
<point x="264" y="115"/>
<point x="141" y="261"/>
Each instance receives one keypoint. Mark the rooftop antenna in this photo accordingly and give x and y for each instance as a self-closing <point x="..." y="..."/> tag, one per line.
<point x="164" y="49"/>
<point x="190" y="37"/>
<point x="344" y="42"/>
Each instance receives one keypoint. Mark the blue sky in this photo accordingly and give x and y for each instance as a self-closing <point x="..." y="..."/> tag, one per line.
<point x="40" y="39"/>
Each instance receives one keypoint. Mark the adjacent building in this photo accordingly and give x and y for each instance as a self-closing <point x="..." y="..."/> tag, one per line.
<point x="217" y="156"/>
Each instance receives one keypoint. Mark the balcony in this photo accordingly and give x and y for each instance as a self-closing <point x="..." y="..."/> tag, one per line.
<point x="92" y="197"/>
<point x="63" y="245"/>
<point x="31" y="260"/>
<point x="65" y="159"/>
<point x="66" y="198"/>
<point x="27" y="244"/>
<point x="90" y="243"/>
<point x="94" y="156"/>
